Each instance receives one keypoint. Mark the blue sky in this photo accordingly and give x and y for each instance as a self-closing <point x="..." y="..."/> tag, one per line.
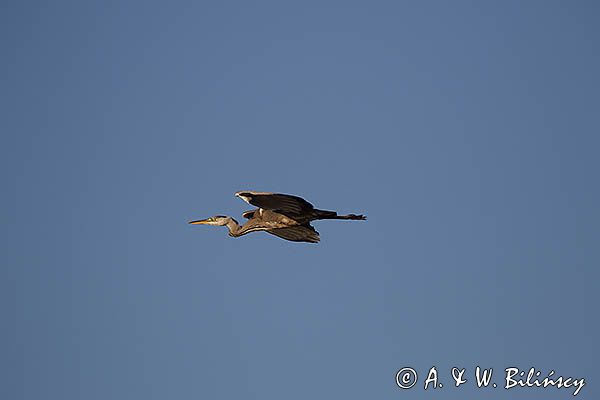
<point x="466" y="131"/>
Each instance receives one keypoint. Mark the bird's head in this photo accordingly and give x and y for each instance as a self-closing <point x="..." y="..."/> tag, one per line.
<point x="217" y="220"/>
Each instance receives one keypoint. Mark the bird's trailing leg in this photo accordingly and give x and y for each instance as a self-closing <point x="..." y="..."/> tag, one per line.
<point x="322" y="214"/>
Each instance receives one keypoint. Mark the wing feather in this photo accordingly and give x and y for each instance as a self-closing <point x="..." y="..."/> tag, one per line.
<point x="283" y="203"/>
<point x="249" y="214"/>
<point x="299" y="233"/>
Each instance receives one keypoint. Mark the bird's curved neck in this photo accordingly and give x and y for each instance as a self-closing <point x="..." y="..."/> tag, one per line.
<point x="235" y="229"/>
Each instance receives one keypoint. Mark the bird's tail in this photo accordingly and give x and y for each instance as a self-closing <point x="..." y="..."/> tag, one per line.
<point x="322" y="214"/>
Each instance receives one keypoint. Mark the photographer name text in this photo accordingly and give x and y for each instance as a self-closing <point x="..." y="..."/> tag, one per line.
<point x="511" y="378"/>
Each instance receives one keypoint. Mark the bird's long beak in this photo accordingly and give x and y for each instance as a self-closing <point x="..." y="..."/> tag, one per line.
<point x="199" y="222"/>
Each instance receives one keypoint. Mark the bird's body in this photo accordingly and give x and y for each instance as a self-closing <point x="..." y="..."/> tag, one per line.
<point x="282" y="215"/>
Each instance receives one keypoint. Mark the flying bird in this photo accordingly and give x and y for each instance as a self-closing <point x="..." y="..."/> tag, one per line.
<point x="282" y="215"/>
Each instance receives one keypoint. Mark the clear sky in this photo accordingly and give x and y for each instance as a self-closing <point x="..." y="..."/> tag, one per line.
<point x="466" y="131"/>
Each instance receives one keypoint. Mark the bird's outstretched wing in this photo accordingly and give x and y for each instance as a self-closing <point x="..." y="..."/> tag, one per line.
<point x="299" y="233"/>
<point x="283" y="203"/>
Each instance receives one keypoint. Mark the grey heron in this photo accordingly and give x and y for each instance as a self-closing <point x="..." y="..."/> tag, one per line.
<point x="282" y="215"/>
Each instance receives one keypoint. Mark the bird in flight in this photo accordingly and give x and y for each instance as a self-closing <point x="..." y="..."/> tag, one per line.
<point x="282" y="215"/>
